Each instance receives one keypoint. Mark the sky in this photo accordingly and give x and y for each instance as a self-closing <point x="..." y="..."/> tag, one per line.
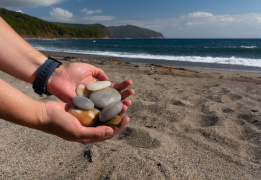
<point x="173" y="18"/>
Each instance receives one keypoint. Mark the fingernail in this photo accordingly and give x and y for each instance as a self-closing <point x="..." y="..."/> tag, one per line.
<point x="108" y="132"/>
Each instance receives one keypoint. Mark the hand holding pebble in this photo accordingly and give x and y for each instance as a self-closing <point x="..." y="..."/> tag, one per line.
<point x="97" y="104"/>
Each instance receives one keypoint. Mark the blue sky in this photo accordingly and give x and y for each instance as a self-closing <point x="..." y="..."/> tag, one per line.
<point x="173" y="18"/>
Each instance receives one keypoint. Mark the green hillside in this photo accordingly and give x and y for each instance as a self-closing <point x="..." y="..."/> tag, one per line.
<point x="32" y="27"/>
<point x="93" y="27"/>
<point x="130" y="31"/>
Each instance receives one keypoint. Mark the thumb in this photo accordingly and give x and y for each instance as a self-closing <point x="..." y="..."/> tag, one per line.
<point x="99" y="74"/>
<point x="95" y="133"/>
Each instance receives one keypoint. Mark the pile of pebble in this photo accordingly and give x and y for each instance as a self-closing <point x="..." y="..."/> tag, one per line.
<point x="97" y="104"/>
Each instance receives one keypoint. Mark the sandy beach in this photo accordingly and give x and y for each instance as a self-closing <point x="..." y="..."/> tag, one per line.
<point x="185" y="124"/>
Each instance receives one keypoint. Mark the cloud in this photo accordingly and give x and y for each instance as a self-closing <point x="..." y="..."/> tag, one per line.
<point x="60" y="14"/>
<point x="200" y="14"/>
<point x="89" y="16"/>
<point x="204" y="25"/>
<point x="20" y="11"/>
<point x="99" y="18"/>
<point x="27" y="3"/>
<point x="89" y="12"/>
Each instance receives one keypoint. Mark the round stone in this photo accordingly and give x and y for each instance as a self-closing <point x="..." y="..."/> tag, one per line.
<point x="104" y="97"/>
<point x="113" y="122"/>
<point x="83" y="102"/>
<point x="89" y="118"/>
<point x="98" y="85"/>
<point x="82" y="91"/>
<point x="110" y="111"/>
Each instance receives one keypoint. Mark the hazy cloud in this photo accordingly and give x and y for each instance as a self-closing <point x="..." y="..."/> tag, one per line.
<point x="60" y="14"/>
<point x="20" y="11"/>
<point x="27" y="3"/>
<point x="200" y="14"/>
<point x="89" y="12"/>
<point x="89" y="15"/>
<point x="99" y="18"/>
<point x="204" y="25"/>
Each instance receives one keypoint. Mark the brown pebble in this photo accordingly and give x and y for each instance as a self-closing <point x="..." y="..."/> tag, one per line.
<point x="88" y="118"/>
<point x="113" y="122"/>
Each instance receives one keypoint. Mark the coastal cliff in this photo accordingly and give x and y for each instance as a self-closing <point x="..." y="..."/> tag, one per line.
<point x="32" y="27"/>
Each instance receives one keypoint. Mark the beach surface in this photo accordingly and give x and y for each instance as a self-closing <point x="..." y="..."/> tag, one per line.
<point x="185" y="124"/>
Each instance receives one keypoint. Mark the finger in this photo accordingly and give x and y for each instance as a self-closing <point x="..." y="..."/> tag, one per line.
<point x="126" y="102"/>
<point x="99" y="74"/>
<point x="122" y="85"/>
<point x="125" y="94"/>
<point x="85" y="141"/>
<point x="116" y="130"/>
<point x="99" y="132"/>
<point x="125" y="120"/>
<point x="97" y="139"/>
<point x="123" y="110"/>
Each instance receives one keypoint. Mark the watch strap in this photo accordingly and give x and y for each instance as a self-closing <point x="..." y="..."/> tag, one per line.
<point x="43" y="74"/>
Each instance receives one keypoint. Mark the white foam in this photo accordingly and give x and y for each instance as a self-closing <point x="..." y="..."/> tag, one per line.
<point x="219" y="60"/>
<point x="249" y="47"/>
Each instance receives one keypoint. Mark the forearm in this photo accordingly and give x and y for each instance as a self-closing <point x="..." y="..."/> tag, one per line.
<point x="18" y="108"/>
<point x="17" y="57"/>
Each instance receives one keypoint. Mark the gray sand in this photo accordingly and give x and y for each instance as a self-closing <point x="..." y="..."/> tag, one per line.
<point x="185" y="124"/>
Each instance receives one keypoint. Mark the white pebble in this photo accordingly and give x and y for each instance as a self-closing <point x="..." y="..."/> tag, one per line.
<point x="95" y="86"/>
<point x="82" y="91"/>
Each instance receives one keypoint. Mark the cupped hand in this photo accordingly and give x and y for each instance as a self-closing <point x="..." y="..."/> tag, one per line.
<point x="65" y="79"/>
<point x="58" y="121"/>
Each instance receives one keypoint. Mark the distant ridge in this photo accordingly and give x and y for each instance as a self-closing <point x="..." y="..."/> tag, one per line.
<point x="130" y="31"/>
<point x="32" y="27"/>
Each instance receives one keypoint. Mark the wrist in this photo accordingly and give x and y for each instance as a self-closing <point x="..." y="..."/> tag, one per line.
<point x="43" y="74"/>
<point x="51" y="84"/>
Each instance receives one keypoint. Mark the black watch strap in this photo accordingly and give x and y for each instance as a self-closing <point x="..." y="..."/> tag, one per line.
<point x="43" y="74"/>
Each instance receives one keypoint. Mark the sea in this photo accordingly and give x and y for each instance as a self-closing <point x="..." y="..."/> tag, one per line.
<point x="224" y="54"/>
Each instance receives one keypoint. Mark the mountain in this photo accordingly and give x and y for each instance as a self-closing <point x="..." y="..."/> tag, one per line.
<point x="130" y="31"/>
<point x="93" y="27"/>
<point x="32" y="27"/>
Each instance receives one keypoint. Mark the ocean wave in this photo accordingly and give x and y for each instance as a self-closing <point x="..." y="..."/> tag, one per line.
<point x="201" y="59"/>
<point x="233" y="47"/>
<point x="249" y="47"/>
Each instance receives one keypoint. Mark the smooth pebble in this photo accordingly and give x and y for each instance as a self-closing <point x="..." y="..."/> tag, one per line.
<point x="89" y="118"/>
<point x="98" y="85"/>
<point x="104" y="97"/>
<point x="82" y="91"/>
<point x="110" y="111"/>
<point x="113" y="122"/>
<point x="83" y="102"/>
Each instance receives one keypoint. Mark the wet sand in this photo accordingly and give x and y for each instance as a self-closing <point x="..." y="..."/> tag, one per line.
<point x="185" y="124"/>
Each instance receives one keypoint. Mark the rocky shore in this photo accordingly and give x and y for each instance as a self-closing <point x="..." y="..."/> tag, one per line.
<point x="185" y="124"/>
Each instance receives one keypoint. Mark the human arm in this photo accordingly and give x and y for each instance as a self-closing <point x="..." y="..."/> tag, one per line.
<point x="19" y="59"/>
<point x="50" y="117"/>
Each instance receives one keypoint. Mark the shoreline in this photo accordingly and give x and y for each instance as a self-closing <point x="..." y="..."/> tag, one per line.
<point x="194" y="65"/>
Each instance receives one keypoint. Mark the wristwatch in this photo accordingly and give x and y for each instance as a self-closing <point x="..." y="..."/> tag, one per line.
<point x="43" y="74"/>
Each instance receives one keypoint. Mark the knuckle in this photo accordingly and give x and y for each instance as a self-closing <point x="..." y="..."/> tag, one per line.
<point x="99" y="134"/>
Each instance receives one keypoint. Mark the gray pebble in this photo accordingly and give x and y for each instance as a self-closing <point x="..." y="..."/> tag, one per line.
<point x="105" y="97"/>
<point x="83" y="102"/>
<point x="110" y="111"/>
